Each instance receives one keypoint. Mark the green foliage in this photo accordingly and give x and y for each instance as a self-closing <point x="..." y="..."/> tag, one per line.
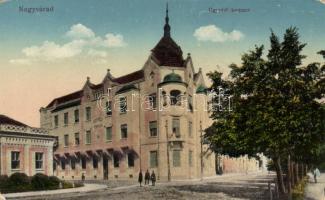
<point x="20" y="182"/>
<point x="17" y="182"/>
<point x="298" y="190"/>
<point x="276" y="108"/>
<point x="40" y="181"/>
<point x="275" y="111"/>
<point x="54" y="182"/>
<point x="66" y="185"/>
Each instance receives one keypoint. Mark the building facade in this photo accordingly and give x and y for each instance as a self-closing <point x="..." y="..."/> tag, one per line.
<point x="153" y="118"/>
<point x="25" y="149"/>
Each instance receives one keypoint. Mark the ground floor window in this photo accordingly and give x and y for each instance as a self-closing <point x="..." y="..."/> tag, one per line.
<point x="15" y="160"/>
<point x="39" y="160"/>
<point x="190" y="158"/>
<point x="130" y="159"/>
<point x="176" y="158"/>
<point x="153" y="159"/>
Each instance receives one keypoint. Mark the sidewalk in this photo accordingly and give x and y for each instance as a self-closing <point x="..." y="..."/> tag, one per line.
<point x="86" y="188"/>
<point x="315" y="191"/>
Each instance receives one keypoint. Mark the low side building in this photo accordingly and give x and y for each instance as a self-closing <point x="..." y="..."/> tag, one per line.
<point x="24" y="149"/>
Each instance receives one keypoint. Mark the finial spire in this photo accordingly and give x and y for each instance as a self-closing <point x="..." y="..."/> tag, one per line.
<point x="167" y="27"/>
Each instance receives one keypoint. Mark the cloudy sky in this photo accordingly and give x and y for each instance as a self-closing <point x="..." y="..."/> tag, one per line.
<point x="49" y="54"/>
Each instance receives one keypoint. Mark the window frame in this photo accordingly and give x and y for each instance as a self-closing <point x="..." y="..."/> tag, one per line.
<point x="39" y="160"/>
<point x="153" y="162"/>
<point x="124" y="135"/>
<point x="76" y="116"/>
<point x="177" y="160"/>
<point x="153" y="128"/>
<point x="108" y="139"/>
<point x="66" y="140"/>
<point x="88" y="139"/>
<point x="15" y="160"/>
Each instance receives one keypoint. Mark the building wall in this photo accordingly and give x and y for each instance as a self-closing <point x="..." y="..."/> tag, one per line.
<point x="27" y="145"/>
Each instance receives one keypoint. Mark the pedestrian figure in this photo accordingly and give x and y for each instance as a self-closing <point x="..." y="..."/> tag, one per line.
<point x="147" y="177"/>
<point x="153" y="178"/>
<point x="140" y="178"/>
<point x="316" y="174"/>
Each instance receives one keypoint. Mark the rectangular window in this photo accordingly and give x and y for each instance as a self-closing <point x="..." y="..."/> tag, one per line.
<point x="88" y="137"/>
<point x="116" y="160"/>
<point x="153" y="128"/>
<point x="38" y="160"/>
<point x="88" y="113"/>
<point x="130" y="160"/>
<point x="108" y="133"/>
<point x="123" y="105"/>
<point x="190" y="158"/>
<point x="66" y="140"/>
<point x="176" y="158"/>
<point x="66" y="119"/>
<point x="176" y="127"/>
<point x="153" y="159"/>
<point x="95" y="162"/>
<point x="109" y="108"/>
<point x="153" y="101"/>
<point x="83" y="162"/>
<point x="63" y="164"/>
<point x="56" y="120"/>
<point x="76" y="139"/>
<point x="76" y="116"/>
<point x="190" y="128"/>
<point x="15" y="160"/>
<point x="73" y="163"/>
<point x="124" y="131"/>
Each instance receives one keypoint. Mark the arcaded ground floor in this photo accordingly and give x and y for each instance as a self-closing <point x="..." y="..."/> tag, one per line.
<point x="232" y="186"/>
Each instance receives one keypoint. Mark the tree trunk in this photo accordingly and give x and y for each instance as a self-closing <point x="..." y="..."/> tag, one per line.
<point x="292" y="172"/>
<point x="297" y="172"/>
<point x="279" y="174"/>
<point x="289" y="176"/>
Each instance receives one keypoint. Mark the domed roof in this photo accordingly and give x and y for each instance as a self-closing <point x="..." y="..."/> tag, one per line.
<point x="167" y="52"/>
<point x="172" y="77"/>
<point x="201" y="89"/>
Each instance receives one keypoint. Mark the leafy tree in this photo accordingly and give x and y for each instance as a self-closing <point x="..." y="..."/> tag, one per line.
<point x="275" y="111"/>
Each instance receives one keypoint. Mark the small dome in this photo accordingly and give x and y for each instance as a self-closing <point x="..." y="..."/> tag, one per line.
<point x="172" y="77"/>
<point x="201" y="89"/>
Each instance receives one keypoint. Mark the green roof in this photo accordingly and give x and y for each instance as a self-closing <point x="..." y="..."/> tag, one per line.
<point x="172" y="77"/>
<point x="201" y="89"/>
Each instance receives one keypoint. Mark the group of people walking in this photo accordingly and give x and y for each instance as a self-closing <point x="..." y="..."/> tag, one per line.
<point x="147" y="178"/>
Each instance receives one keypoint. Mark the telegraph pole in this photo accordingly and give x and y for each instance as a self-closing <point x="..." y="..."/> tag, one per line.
<point x="168" y="164"/>
<point x="201" y="136"/>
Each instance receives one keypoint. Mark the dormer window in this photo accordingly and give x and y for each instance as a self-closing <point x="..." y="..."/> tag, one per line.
<point x="152" y="75"/>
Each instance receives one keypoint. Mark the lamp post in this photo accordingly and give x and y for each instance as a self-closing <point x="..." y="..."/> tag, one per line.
<point x="167" y="146"/>
<point x="201" y="136"/>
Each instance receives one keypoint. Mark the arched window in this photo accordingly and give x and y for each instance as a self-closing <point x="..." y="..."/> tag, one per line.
<point x="175" y="96"/>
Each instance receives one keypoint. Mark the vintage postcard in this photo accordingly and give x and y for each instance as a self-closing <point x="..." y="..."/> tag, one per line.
<point x="164" y="99"/>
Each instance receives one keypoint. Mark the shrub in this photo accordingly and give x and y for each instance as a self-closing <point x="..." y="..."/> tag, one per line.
<point x="18" y="182"/>
<point x="66" y="185"/>
<point x="40" y="181"/>
<point x="3" y="182"/>
<point x="54" y="182"/>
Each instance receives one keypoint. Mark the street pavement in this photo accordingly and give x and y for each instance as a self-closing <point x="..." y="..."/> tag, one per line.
<point x="226" y="187"/>
<point x="315" y="191"/>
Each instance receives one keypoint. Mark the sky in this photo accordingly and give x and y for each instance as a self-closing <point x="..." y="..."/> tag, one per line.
<point x="47" y="54"/>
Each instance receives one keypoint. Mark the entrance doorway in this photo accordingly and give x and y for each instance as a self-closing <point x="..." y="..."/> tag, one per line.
<point x="105" y="167"/>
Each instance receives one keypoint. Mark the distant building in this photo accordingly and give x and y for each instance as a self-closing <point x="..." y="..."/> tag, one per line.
<point x="106" y="131"/>
<point x="24" y="149"/>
